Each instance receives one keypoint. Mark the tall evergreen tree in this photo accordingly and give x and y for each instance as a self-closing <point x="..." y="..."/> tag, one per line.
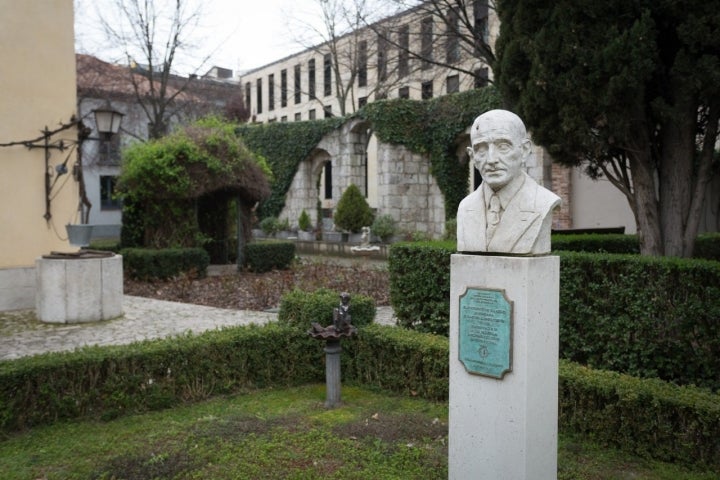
<point x="628" y="88"/>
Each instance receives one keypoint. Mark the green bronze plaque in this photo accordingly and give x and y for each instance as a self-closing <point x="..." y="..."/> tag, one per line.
<point x="486" y="331"/>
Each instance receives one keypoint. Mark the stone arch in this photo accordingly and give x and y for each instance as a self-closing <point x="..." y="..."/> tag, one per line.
<point x="303" y="193"/>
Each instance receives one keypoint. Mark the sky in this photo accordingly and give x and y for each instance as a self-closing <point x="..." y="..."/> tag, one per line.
<point x="243" y="34"/>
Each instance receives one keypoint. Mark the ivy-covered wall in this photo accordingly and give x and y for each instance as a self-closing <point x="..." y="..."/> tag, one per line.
<point x="284" y="145"/>
<point x="430" y="127"/>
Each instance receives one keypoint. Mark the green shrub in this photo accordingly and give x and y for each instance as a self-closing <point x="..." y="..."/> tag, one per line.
<point x="269" y="255"/>
<point x="707" y="246"/>
<point x="300" y="309"/>
<point x="270" y="226"/>
<point x="304" y="222"/>
<point x="148" y="264"/>
<point x="384" y="227"/>
<point x="646" y="316"/>
<point x="105" y="245"/>
<point x="649" y="417"/>
<point x="352" y="211"/>
<point x="420" y="285"/>
<point x="106" y="382"/>
<point x="644" y="416"/>
<point x="399" y="360"/>
<point x="596" y="242"/>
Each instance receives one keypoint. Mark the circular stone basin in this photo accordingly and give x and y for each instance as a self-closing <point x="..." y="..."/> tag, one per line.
<point x="80" y="287"/>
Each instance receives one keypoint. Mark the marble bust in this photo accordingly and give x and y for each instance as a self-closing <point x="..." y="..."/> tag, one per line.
<point x="509" y="212"/>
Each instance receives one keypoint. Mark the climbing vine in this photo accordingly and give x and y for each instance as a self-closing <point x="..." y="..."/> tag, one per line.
<point x="430" y="127"/>
<point x="433" y="127"/>
<point x="284" y="145"/>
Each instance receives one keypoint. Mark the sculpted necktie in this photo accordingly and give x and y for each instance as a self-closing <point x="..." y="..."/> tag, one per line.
<point x="493" y="216"/>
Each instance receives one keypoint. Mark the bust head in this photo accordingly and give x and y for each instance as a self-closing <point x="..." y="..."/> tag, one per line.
<point x="500" y="147"/>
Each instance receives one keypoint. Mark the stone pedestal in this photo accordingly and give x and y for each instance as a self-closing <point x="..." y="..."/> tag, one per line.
<point x="503" y="421"/>
<point x="332" y="373"/>
<point x="79" y="289"/>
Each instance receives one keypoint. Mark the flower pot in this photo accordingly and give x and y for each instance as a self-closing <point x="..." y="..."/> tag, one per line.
<point x="79" y="235"/>
<point x="306" y="236"/>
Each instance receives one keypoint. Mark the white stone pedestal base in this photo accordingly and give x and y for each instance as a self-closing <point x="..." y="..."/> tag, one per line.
<point x="79" y="290"/>
<point x="506" y="429"/>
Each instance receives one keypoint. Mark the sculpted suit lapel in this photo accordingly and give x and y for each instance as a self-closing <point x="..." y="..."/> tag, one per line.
<point x="520" y="222"/>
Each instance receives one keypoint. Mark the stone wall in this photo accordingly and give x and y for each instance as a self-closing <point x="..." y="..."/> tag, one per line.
<point x="406" y="189"/>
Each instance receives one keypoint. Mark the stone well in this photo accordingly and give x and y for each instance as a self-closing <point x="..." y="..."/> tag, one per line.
<point x="81" y="287"/>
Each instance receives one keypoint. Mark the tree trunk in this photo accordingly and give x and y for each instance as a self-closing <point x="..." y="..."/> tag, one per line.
<point x="646" y="207"/>
<point x="676" y="174"/>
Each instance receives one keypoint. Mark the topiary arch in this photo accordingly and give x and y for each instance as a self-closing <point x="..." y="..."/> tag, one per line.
<point x="179" y="190"/>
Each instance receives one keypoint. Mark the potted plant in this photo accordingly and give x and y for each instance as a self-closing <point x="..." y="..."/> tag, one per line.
<point x="305" y="227"/>
<point x="384" y="227"/>
<point x="353" y="212"/>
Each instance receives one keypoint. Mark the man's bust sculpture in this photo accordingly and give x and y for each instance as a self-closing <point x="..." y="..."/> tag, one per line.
<point x="509" y="212"/>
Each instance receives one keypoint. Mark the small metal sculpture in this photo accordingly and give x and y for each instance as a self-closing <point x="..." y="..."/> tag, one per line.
<point x="341" y="327"/>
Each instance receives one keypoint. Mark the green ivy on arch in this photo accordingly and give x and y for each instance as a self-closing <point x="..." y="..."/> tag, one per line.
<point x="428" y="127"/>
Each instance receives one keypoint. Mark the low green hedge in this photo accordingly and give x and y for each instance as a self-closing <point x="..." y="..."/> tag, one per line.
<point x="420" y="284"/>
<point x="111" y="381"/>
<point x="645" y="316"/>
<point x="269" y="255"/>
<point x="300" y="309"/>
<point x="648" y="417"/>
<point x="148" y="263"/>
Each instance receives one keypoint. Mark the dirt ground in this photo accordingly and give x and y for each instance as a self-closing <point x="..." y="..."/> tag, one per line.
<point x="261" y="291"/>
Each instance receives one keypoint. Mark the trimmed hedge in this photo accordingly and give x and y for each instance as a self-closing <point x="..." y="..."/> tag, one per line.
<point x="148" y="263"/>
<point x="300" y="309"/>
<point x="648" y="417"/>
<point x="645" y="316"/>
<point x="269" y="255"/>
<point x="420" y="284"/>
<point x="105" y="382"/>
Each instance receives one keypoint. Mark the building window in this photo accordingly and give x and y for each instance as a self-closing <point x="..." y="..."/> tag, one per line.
<point x="298" y="85"/>
<point x="327" y="75"/>
<point x="362" y="64"/>
<point x="311" y="114"/>
<point x="426" y="40"/>
<point x="283" y="118"/>
<point x="327" y="111"/>
<point x="109" y="150"/>
<point x="259" y="95"/>
<point x="283" y="88"/>
<point x="108" y="199"/>
<point x="404" y="92"/>
<point x="427" y="90"/>
<point x="452" y="39"/>
<point x="481" y="77"/>
<point x="328" y="180"/>
<point x="247" y="95"/>
<point x="382" y="43"/>
<point x="403" y="51"/>
<point x="311" y="78"/>
<point x="381" y="95"/>
<point x="453" y="84"/>
<point x="271" y="92"/>
<point x="362" y="101"/>
<point x="482" y="32"/>
<point x="298" y="117"/>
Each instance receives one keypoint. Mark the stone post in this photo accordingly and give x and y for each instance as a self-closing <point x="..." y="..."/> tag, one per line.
<point x="503" y="367"/>
<point x="332" y="373"/>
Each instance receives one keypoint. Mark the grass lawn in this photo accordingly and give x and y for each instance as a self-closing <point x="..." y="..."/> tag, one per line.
<point x="282" y="434"/>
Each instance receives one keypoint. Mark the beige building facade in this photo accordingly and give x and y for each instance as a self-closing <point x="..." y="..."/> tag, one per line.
<point x="38" y="192"/>
<point x="304" y="87"/>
